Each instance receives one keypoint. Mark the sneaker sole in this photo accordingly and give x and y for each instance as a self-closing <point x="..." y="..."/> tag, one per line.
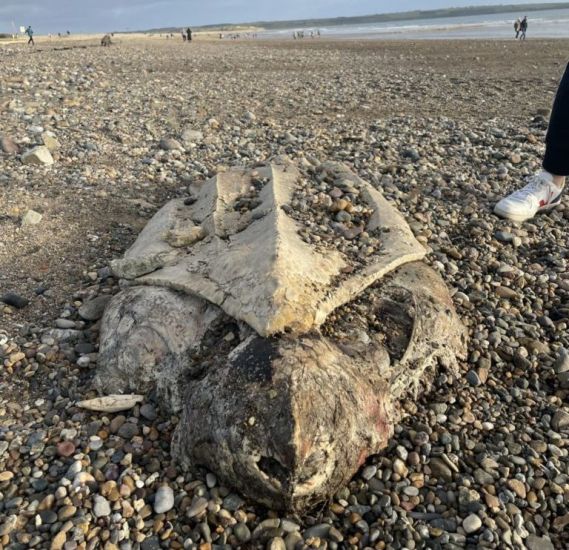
<point x="520" y="218"/>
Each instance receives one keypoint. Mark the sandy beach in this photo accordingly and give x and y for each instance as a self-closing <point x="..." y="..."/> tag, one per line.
<point x="442" y="128"/>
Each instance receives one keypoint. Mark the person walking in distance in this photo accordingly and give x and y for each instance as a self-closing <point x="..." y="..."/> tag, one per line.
<point x="30" y="33"/>
<point x="517" y="24"/>
<point x="523" y="28"/>
<point x="544" y="189"/>
<point x="189" y="34"/>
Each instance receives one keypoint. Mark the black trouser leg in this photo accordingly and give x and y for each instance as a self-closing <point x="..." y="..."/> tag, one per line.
<point x="556" y="160"/>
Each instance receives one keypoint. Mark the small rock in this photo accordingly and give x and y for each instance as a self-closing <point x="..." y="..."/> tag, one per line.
<point x="93" y="310"/>
<point x="242" y="532"/>
<point x="276" y="543"/>
<point x="31" y="217"/>
<point x="101" y="506"/>
<point x="50" y="142"/>
<point x="440" y="469"/>
<point x="320" y="531"/>
<point x="473" y="379"/>
<point x="8" y="145"/>
<point x="533" y="542"/>
<point x="192" y="136"/>
<point x="169" y="144"/>
<point x="111" y="403"/>
<point x="148" y="411"/>
<point x="506" y="292"/>
<point x="560" y="421"/>
<point x="39" y="155"/>
<point x="14" y="300"/>
<point x="65" y="448"/>
<point x="164" y="499"/>
<point x="197" y="508"/>
<point x="562" y="362"/>
<point x="503" y="236"/>
<point x="518" y="487"/>
<point x="471" y="524"/>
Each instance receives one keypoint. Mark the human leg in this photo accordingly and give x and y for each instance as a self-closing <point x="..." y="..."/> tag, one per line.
<point x="543" y="192"/>
<point x="556" y="159"/>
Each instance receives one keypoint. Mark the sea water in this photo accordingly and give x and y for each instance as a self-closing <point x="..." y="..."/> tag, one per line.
<point x="542" y="24"/>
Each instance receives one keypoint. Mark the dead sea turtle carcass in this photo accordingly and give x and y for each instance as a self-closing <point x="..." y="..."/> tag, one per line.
<point x="284" y="311"/>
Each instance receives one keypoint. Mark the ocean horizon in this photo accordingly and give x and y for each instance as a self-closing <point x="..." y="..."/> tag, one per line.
<point x="542" y="24"/>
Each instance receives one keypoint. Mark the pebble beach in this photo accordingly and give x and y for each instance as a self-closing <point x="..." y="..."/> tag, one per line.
<point x="93" y="141"/>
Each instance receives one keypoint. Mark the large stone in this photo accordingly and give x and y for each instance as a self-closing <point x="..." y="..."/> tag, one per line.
<point x="39" y="155"/>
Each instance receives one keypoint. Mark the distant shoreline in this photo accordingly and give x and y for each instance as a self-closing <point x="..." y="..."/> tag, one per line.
<point x="414" y="15"/>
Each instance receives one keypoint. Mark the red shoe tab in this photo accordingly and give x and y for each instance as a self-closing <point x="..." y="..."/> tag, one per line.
<point x="542" y="203"/>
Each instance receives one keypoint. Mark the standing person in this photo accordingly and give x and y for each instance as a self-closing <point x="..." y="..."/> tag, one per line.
<point x="189" y="33"/>
<point x="183" y="36"/>
<point x="517" y="24"/>
<point x="524" y="27"/>
<point x="544" y="189"/>
<point x="30" y="33"/>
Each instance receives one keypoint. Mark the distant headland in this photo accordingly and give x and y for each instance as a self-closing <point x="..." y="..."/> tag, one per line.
<point x="376" y="18"/>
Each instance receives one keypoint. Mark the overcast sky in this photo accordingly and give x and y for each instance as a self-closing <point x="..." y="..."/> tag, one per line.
<point x="116" y="15"/>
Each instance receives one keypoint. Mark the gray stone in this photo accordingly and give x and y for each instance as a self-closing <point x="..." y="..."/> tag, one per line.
<point x="560" y="421"/>
<point x="233" y="502"/>
<point x="64" y="323"/>
<point x="242" y="532"/>
<point x="504" y="236"/>
<point x="472" y="378"/>
<point x="101" y="506"/>
<point x="148" y="411"/>
<point x="321" y="531"/>
<point x="197" y="508"/>
<point x="128" y="430"/>
<point x="93" y="310"/>
<point x="163" y="499"/>
<point x="562" y="361"/>
<point x="169" y="144"/>
<point x="533" y="542"/>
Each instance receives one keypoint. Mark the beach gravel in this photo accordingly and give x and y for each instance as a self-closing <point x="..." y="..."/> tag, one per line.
<point x="443" y="129"/>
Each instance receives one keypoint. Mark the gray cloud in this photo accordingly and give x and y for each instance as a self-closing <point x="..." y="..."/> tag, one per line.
<point x="110" y="15"/>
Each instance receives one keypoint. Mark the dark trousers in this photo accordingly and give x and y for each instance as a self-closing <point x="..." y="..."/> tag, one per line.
<point x="556" y="160"/>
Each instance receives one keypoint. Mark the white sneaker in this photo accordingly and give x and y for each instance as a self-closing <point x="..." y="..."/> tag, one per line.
<point x="539" y="195"/>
